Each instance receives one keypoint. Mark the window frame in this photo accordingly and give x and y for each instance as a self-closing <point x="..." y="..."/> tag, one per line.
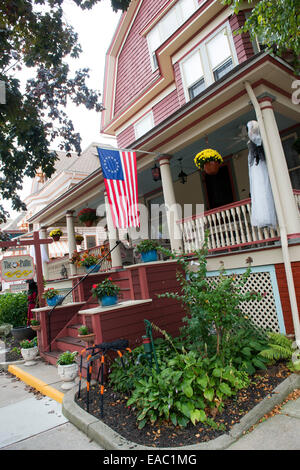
<point x="140" y="120"/>
<point x="208" y="71"/>
<point x="180" y="21"/>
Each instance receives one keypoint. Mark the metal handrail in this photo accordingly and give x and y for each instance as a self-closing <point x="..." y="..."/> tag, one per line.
<point x="74" y="287"/>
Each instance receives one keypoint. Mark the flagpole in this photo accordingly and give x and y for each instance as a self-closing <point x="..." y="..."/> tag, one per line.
<point x="128" y="150"/>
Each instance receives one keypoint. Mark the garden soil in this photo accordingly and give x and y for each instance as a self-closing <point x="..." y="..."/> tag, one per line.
<point x="121" y="418"/>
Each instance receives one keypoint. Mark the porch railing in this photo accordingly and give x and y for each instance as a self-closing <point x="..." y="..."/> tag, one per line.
<point x="229" y="228"/>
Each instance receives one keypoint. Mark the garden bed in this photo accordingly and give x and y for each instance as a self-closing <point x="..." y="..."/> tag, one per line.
<point x="122" y="419"/>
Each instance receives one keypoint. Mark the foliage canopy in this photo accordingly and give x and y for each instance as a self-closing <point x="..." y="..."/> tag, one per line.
<point x="34" y="35"/>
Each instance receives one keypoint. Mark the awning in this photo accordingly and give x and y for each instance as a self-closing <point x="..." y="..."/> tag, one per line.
<point x="58" y="249"/>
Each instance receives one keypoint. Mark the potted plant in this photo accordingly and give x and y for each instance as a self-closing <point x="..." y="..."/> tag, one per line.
<point x="75" y="258"/>
<point x="148" y="250"/>
<point x="89" y="262"/>
<point x="208" y="160"/>
<point x="35" y="325"/>
<point x="106" y="292"/>
<point x="79" y="239"/>
<point x="87" y="216"/>
<point x="52" y="296"/>
<point x="83" y="333"/>
<point x="67" y="369"/>
<point x="29" y="351"/>
<point x="56" y="234"/>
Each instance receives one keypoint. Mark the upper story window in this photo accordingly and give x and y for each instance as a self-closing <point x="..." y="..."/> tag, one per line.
<point x="207" y="63"/>
<point x="143" y="125"/>
<point x="168" y="24"/>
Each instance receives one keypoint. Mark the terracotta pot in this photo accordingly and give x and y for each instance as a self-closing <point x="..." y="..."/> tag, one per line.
<point x="211" y="168"/>
<point x="56" y="237"/>
<point x="87" y="338"/>
<point x="35" y="327"/>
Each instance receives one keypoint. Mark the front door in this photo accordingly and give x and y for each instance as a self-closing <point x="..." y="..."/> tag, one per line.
<point x="218" y="188"/>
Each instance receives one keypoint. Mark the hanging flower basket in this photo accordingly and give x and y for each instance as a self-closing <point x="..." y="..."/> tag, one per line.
<point x="56" y="234"/>
<point x="208" y="160"/>
<point x="79" y="239"/>
<point x="87" y="216"/>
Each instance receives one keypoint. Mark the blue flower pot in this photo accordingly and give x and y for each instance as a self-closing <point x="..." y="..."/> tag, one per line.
<point x="149" y="256"/>
<point x="108" y="300"/>
<point x="54" y="300"/>
<point x="92" y="269"/>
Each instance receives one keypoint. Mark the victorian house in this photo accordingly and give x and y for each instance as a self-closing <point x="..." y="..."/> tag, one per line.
<point x="180" y="78"/>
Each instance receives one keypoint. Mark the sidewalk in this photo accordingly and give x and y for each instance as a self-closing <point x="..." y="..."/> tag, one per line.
<point x="280" y="432"/>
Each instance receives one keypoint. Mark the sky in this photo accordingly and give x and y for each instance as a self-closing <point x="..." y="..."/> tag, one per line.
<point x="95" y="29"/>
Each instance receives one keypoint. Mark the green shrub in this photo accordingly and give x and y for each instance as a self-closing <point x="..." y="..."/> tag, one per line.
<point x="185" y="390"/>
<point x="13" y="309"/>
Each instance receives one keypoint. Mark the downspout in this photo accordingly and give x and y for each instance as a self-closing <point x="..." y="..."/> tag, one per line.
<point x="279" y="209"/>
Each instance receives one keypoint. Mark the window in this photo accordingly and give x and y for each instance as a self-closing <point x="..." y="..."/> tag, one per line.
<point x="193" y="74"/>
<point x="219" y="54"/>
<point x="208" y="63"/>
<point x="90" y="241"/>
<point x="168" y="24"/>
<point x="143" y="125"/>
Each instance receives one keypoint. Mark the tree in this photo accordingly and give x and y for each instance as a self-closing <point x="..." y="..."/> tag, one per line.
<point x="34" y="35"/>
<point x="275" y="23"/>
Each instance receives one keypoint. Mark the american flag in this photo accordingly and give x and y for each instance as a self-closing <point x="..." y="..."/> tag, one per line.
<point x="120" y="178"/>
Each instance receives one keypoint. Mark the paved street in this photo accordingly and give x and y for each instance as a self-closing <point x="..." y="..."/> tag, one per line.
<point x="31" y="421"/>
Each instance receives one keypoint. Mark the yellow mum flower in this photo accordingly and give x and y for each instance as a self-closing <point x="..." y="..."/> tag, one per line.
<point x="207" y="155"/>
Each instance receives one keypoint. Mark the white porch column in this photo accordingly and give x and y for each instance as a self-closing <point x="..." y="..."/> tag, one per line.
<point x="45" y="248"/>
<point x="116" y="259"/>
<point x="71" y="239"/>
<point x="170" y="203"/>
<point x="280" y="168"/>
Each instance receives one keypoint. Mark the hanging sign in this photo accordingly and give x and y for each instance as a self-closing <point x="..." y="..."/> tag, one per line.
<point x="17" y="268"/>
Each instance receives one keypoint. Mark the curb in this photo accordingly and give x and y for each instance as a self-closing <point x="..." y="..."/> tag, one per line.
<point x="111" y="440"/>
<point x="38" y="384"/>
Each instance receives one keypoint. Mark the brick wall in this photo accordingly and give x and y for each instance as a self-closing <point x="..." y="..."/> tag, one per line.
<point x="284" y="294"/>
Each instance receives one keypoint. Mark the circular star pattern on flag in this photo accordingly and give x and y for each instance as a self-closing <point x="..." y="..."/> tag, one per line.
<point x="111" y="164"/>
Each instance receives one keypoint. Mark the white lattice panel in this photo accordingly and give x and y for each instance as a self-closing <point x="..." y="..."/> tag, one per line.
<point x="263" y="313"/>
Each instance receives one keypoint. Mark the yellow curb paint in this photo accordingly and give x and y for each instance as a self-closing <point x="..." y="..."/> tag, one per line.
<point x="38" y="384"/>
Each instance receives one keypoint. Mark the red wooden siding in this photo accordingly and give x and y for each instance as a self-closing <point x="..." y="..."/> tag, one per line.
<point x="166" y="107"/>
<point x="284" y="294"/>
<point x="126" y="137"/>
<point x="242" y="42"/>
<point x="179" y="84"/>
<point x="134" y="59"/>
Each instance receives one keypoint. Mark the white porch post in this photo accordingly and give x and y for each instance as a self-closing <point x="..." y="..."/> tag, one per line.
<point x="43" y="234"/>
<point x="280" y="168"/>
<point x="170" y="203"/>
<point x="116" y="259"/>
<point x="71" y="239"/>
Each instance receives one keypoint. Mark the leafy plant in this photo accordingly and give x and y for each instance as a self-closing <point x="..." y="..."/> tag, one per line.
<point x="67" y="358"/>
<point x="189" y="388"/>
<point x="88" y="260"/>
<point x="213" y="305"/>
<point x="87" y="214"/>
<point x="27" y="344"/>
<point x="34" y="322"/>
<point x="13" y="309"/>
<point x="83" y="330"/>
<point x="279" y="347"/>
<point x="147" y="245"/>
<point x="105" y="288"/>
<point x="50" y="293"/>
<point x="79" y="238"/>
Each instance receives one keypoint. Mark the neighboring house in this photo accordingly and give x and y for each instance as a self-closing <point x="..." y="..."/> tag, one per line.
<point x="179" y="80"/>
